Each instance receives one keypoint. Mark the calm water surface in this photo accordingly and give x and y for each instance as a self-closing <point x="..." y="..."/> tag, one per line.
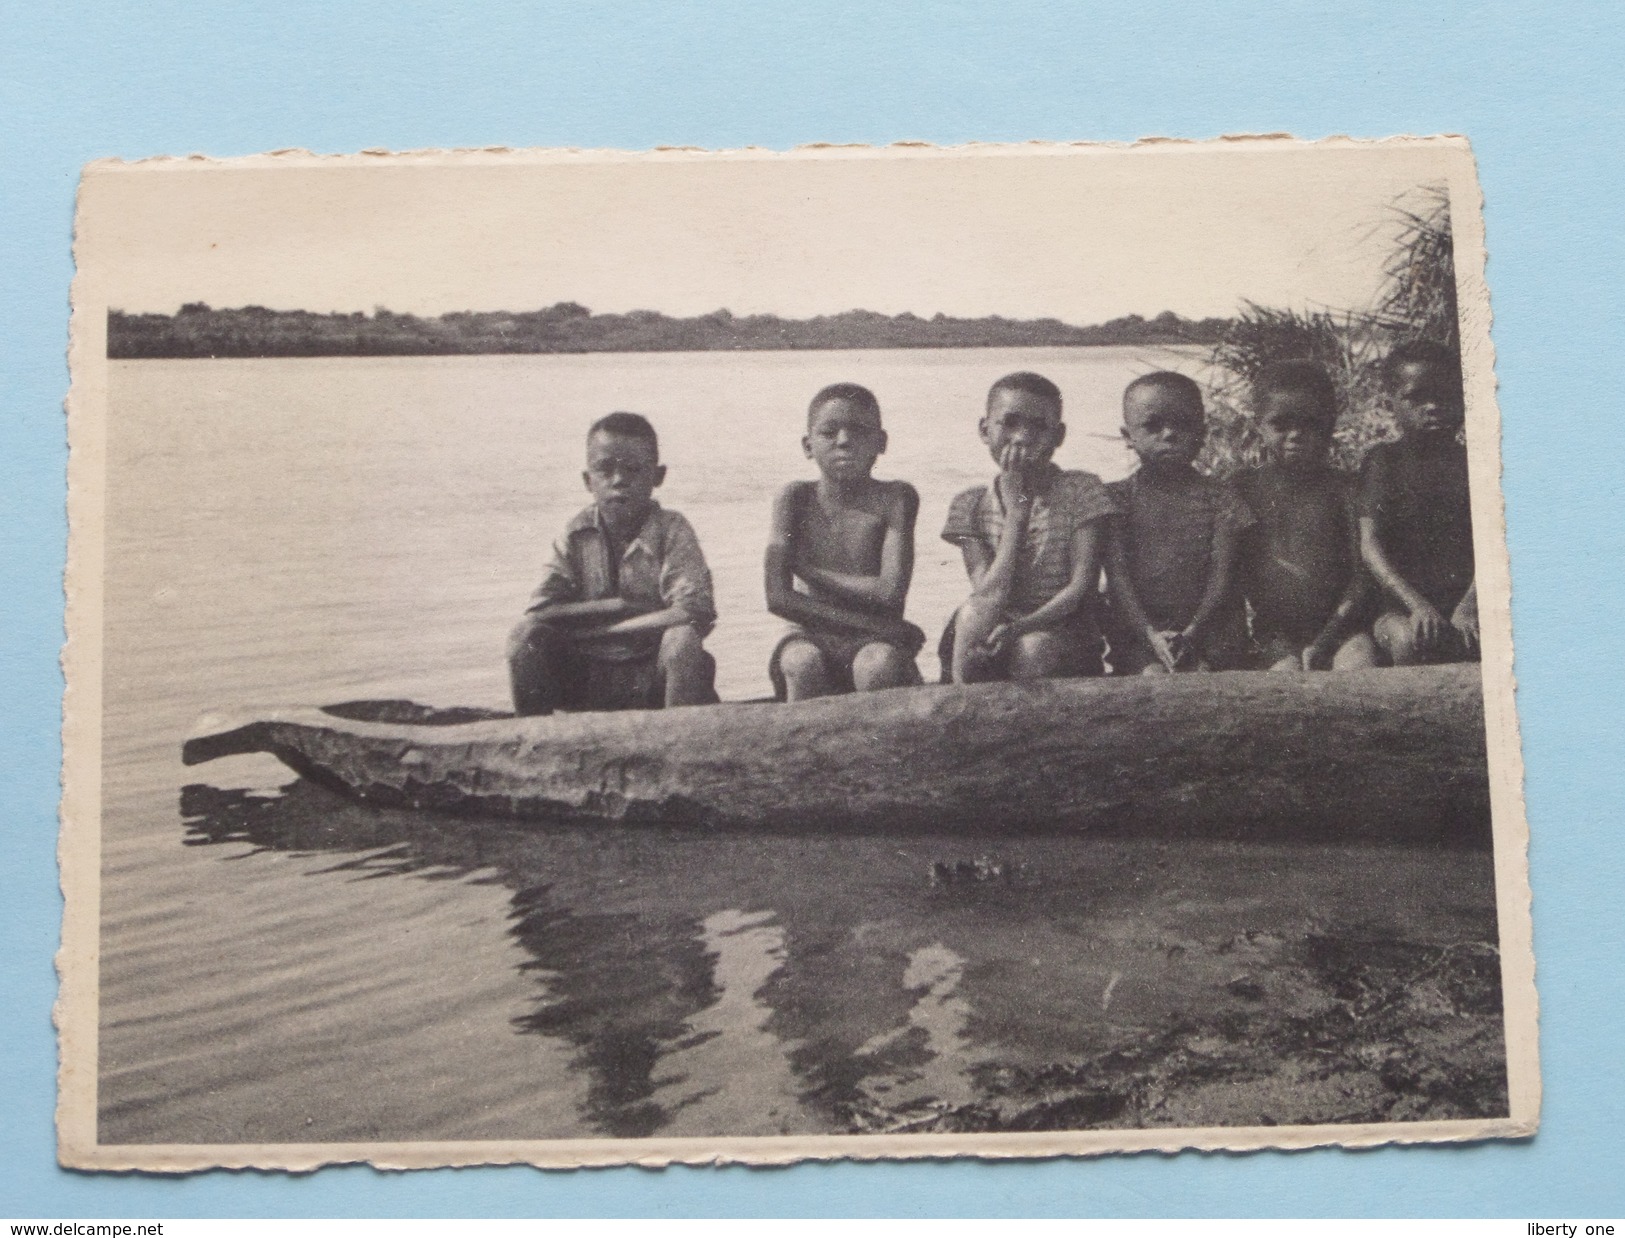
<point x="281" y="965"/>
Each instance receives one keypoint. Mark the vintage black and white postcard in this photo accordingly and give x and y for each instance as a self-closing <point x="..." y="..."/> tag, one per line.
<point x="583" y="657"/>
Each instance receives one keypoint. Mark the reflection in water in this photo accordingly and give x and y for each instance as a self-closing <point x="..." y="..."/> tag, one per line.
<point x="621" y="988"/>
<point x="703" y="983"/>
<point x="731" y="1073"/>
<point x="933" y="1043"/>
<point x="617" y="986"/>
<point x="943" y="1014"/>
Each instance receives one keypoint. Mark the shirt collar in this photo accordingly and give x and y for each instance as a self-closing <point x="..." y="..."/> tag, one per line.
<point x="590" y="518"/>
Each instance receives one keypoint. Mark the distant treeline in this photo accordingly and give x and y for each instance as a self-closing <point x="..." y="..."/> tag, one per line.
<point x="199" y="330"/>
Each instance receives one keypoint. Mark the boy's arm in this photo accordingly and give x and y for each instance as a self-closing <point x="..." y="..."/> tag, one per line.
<point x="1126" y="599"/>
<point x="1426" y="621"/>
<point x="1087" y="543"/>
<point x="649" y="621"/>
<point x="1341" y="622"/>
<point x="888" y="590"/>
<point x="604" y="610"/>
<point x="685" y="588"/>
<point x="977" y="559"/>
<point x="963" y="530"/>
<point x="558" y="598"/>
<point x="1220" y="581"/>
<point x="685" y="580"/>
<point x="559" y="585"/>
<point x="1092" y="510"/>
<point x="993" y="588"/>
<point x="1375" y="484"/>
<point x="1355" y="595"/>
<point x="787" y="603"/>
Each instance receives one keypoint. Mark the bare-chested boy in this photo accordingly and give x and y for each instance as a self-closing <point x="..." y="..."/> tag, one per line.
<point x="1032" y="543"/>
<point x="1416" y="530"/>
<point x="618" y="621"/>
<point x="1300" y="564"/>
<point x="1174" y="551"/>
<point x="849" y="540"/>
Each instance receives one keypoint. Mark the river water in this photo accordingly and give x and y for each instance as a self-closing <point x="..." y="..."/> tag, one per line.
<point x="281" y="965"/>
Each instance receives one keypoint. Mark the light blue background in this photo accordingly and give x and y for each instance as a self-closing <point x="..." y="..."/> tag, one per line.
<point x="1536" y="86"/>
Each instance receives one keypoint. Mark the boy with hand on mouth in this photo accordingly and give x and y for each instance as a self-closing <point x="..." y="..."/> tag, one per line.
<point x="1300" y="565"/>
<point x="1416" y="530"/>
<point x="1173" y="558"/>
<point x="1032" y="542"/>
<point x="618" y="620"/>
<point x="849" y="540"/>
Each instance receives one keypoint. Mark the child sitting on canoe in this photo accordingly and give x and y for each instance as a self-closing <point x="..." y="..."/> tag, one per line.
<point x="848" y="539"/>
<point x="618" y="620"/>
<point x="1416" y="531"/>
<point x="1032" y="542"/>
<point x="1300" y="564"/>
<point x="1174" y="549"/>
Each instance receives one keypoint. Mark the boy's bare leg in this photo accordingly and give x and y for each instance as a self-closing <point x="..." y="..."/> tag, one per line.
<point x="1129" y="659"/>
<point x="1281" y="654"/>
<point x="538" y="655"/>
<point x="805" y="674"/>
<point x="1041" y="655"/>
<point x="1392" y="634"/>
<point x="1133" y="658"/>
<point x="685" y="667"/>
<point x="878" y="666"/>
<point x="1358" y="652"/>
<point x="973" y="624"/>
<point x="1147" y="663"/>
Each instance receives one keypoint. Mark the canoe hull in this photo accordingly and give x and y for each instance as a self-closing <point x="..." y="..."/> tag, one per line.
<point x="1393" y="754"/>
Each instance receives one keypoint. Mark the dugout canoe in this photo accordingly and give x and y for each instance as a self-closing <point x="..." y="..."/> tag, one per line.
<point x="1389" y="754"/>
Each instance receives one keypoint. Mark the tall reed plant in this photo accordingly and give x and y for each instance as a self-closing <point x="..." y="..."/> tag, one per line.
<point x="1416" y="301"/>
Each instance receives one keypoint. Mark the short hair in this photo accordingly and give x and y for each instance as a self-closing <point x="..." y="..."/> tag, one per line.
<point x="1419" y="352"/>
<point x="627" y="425"/>
<point x="1174" y="383"/>
<point x="1032" y="384"/>
<point x="1300" y="376"/>
<point x="849" y="393"/>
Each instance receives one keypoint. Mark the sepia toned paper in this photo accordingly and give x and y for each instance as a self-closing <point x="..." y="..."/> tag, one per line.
<point x="326" y="422"/>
